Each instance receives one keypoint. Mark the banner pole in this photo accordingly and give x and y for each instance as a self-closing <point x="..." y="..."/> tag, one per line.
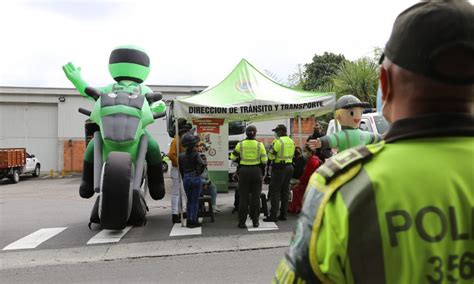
<point x="299" y="131"/>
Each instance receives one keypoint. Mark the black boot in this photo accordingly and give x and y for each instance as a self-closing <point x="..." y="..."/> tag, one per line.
<point x="192" y="224"/>
<point x="175" y="218"/>
<point x="156" y="181"/>
<point x="270" y="219"/>
<point x="86" y="189"/>
<point x="242" y="226"/>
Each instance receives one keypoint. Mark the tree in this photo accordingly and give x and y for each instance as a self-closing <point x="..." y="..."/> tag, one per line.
<point x="318" y="73"/>
<point x="297" y="80"/>
<point x="359" y="78"/>
<point x="377" y="52"/>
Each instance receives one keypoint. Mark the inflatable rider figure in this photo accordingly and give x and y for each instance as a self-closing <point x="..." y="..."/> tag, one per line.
<point x="348" y="113"/>
<point x="129" y="66"/>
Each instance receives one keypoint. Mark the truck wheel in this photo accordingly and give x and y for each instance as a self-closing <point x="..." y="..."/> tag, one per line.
<point x="116" y="193"/>
<point x="15" y="177"/>
<point x="36" y="173"/>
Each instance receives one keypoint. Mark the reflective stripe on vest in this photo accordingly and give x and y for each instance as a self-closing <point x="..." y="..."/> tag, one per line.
<point x="282" y="155"/>
<point x="252" y="160"/>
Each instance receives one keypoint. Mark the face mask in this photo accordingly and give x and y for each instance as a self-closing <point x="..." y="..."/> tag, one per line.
<point x="379" y="100"/>
<point x="380" y="103"/>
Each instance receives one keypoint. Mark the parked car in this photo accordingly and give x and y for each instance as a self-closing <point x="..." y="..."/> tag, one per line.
<point x="15" y="162"/>
<point x="372" y="122"/>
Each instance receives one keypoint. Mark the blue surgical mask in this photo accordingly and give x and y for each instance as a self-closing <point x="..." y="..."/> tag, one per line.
<point x="379" y="100"/>
<point x="380" y="103"/>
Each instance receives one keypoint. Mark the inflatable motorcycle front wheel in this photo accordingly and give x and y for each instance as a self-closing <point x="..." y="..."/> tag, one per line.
<point x="116" y="191"/>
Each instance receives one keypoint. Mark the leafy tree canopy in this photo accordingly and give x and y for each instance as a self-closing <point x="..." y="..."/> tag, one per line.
<point x="317" y="74"/>
<point x="359" y="78"/>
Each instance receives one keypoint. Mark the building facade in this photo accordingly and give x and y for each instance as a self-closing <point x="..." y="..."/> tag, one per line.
<point x="47" y="123"/>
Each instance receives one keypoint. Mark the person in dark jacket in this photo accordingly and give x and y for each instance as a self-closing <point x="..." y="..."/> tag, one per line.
<point x="191" y="167"/>
<point x="299" y="162"/>
<point x="318" y="131"/>
<point x="299" y="189"/>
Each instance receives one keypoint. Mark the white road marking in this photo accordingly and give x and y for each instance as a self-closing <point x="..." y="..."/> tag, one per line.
<point x="35" y="239"/>
<point x="264" y="226"/>
<point x="108" y="236"/>
<point x="179" y="230"/>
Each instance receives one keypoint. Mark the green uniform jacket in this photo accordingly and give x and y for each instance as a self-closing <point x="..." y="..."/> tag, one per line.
<point x="249" y="152"/>
<point x="394" y="212"/>
<point x="282" y="150"/>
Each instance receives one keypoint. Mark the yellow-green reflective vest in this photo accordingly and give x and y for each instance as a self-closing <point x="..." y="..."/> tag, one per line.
<point x="251" y="152"/>
<point x="283" y="150"/>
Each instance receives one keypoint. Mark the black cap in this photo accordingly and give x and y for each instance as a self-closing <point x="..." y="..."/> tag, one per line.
<point x="350" y="101"/>
<point x="251" y="129"/>
<point x="280" y="127"/>
<point x="422" y="32"/>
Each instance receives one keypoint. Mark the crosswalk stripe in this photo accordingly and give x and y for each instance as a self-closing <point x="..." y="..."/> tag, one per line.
<point x="109" y="236"/>
<point x="179" y="230"/>
<point x="35" y="239"/>
<point x="264" y="226"/>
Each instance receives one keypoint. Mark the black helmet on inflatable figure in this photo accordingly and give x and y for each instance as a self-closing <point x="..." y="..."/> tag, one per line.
<point x="251" y="131"/>
<point x="189" y="140"/>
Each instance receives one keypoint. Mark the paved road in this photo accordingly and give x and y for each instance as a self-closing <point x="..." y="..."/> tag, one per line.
<point x="252" y="266"/>
<point x="44" y="222"/>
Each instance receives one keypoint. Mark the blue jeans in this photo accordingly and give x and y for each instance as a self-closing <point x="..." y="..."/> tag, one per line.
<point x="192" y="187"/>
<point x="210" y="190"/>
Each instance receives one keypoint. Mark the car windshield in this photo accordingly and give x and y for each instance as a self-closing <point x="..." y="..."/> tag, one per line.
<point x="381" y="123"/>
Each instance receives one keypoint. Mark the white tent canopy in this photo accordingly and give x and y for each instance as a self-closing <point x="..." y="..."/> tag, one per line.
<point x="247" y="94"/>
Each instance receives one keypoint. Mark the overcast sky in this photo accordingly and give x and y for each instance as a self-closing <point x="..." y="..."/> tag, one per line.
<point x="190" y="42"/>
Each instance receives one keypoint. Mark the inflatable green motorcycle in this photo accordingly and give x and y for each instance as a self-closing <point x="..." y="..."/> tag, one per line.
<point x="114" y="162"/>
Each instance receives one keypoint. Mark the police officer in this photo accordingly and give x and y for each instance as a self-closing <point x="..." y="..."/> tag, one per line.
<point x="281" y="154"/>
<point x="401" y="211"/>
<point x="252" y="158"/>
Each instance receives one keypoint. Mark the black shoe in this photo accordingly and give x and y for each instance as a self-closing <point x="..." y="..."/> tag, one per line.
<point x="192" y="224"/>
<point x="281" y="217"/>
<point x="270" y="219"/>
<point x="86" y="189"/>
<point x="242" y="226"/>
<point x="175" y="218"/>
<point x="156" y="181"/>
<point x="255" y="224"/>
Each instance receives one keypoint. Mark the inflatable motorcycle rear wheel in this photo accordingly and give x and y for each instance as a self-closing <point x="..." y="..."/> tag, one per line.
<point x="116" y="193"/>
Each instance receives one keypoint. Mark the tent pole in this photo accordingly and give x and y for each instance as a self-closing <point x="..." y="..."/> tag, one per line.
<point x="299" y="131"/>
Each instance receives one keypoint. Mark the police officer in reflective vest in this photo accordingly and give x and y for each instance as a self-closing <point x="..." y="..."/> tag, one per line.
<point x="252" y="158"/>
<point x="402" y="210"/>
<point x="281" y="154"/>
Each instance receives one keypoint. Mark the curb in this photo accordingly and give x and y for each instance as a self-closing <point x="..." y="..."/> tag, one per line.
<point x="174" y="247"/>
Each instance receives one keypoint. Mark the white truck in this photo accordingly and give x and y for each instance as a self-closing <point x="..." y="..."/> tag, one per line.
<point x="372" y="122"/>
<point x="15" y="162"/>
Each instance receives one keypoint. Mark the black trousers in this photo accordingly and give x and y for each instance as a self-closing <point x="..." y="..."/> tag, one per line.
<point x="279" y="189"/>
<point x="250" y="187"/>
